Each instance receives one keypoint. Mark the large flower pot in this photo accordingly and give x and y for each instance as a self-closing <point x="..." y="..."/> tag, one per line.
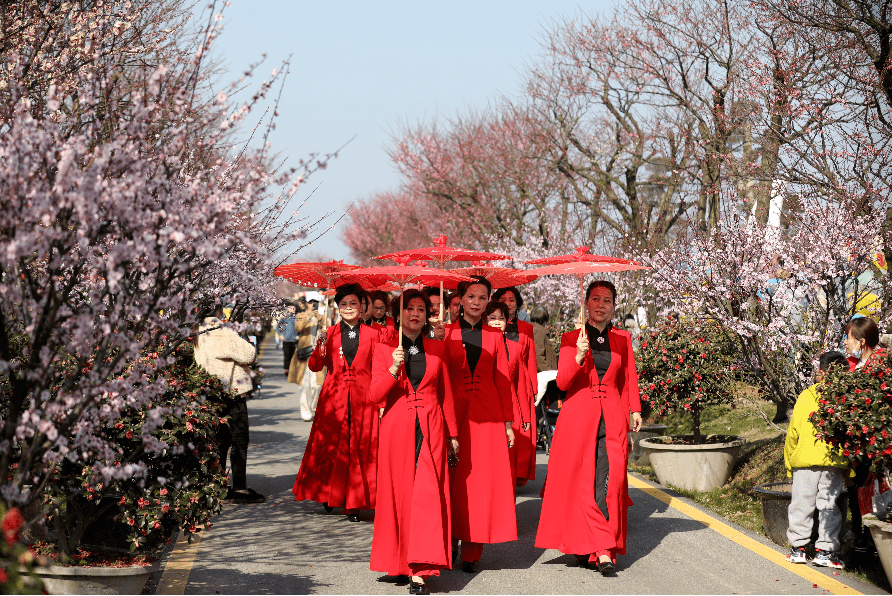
<point x="693" y="467"/>
<point x="882" y="539"/>
<point x="95" y="580"/>
<point x="776" y="497"/>
<point x="637" y="455"/>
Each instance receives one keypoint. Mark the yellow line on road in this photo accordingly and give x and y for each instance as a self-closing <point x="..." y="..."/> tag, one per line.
<point x="179" y="565"/>
<point x="803" y="571"/>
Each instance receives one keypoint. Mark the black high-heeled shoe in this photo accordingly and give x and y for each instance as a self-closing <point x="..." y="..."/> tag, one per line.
<point x="353" y="517"/>
<point x="606" y="568"/>
<point x="469" y="567"/>
<point x="327" y="508"/>
<point x="417" y="588"/>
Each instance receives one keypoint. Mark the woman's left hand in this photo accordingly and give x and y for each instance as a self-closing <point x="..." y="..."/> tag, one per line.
<point x="510" y="432"/>
<point x="636" y="421"/>
<point x="525" y="426"/>
<point x="437" y="327"/>
<point x="454" y="442"/>
<point x="380" y="413"/>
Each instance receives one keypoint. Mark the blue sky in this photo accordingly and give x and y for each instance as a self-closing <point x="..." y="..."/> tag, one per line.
<point x="359" y="68"/>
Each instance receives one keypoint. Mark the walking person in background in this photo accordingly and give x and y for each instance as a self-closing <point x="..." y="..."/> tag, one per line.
<point x="306" y="321"/>
<point x="585" y="501"/>
<point x="520" y="333"/>
<point x="339" y="465"/>
<point x="818" y="472"/>
<point x="289" y="335"/>
<point x="411" y="387"/>
<point x="482" y="482"/>
<point x="453" y="300"/>
<point x="223" y="353"/>
<point x="545" y="356"/>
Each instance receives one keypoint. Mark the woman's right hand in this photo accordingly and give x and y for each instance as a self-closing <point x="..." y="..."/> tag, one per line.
<point x="398" y="357"/>
<point x="582" y="346"/>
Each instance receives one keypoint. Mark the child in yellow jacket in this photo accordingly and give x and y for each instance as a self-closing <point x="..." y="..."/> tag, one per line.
<point x="817" y="469"/>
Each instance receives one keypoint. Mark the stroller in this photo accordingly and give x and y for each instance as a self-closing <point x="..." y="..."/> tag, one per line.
<point x="547" y="412"/>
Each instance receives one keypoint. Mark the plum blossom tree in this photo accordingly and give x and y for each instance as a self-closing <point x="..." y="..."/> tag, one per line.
<point x="126" y="213"/>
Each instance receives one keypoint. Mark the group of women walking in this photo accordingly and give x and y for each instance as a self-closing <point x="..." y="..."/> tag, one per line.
<point x="436" y="429"/>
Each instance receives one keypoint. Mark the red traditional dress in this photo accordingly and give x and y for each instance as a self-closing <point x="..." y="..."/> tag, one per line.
<point x="339" y="465"/>
<point x="520" y="334"/>
<point x="482" y="482"/>
<point x="412" y="533"/>
<point x="386" y="326"/>
<point x="594" y="419"/>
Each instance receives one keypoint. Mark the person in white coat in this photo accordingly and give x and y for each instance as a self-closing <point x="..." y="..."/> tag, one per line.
<point x="223" y="353"/>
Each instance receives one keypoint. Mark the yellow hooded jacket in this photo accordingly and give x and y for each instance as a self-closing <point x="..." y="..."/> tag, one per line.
<point x="803" y="449"/>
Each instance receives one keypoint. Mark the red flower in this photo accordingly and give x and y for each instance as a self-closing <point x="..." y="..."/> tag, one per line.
<point x="129" y="434"/>
<point x="12" y="523"/>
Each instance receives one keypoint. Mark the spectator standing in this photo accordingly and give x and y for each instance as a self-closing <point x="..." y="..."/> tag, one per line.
<point x="818" y="477"/>
<point x="289" y="335"/>
<point x="223" y="353"/>
<point x="306" y="321"/>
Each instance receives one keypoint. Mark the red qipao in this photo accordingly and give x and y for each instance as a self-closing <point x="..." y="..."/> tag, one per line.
<point x="482" y="482"/>
<point x="339" y="464"/>
<point x="526" y="386"/>
<point x="571" y="521"/>
<point x="412" y="533"/>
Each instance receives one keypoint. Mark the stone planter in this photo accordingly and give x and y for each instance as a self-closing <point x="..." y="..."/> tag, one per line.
<point x="693" y="467"/>
<point x="95" y="580"/>
<point x="776" y="497"/>
<point x="882" y="539"/>
<point x="636" y="454"/>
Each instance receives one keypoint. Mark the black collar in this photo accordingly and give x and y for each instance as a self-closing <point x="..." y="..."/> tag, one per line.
<point x="463" y="323"/>
<point x="593" y="332"/>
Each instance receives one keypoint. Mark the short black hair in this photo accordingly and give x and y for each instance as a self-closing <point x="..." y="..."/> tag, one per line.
<point x="834" y="358"/>
<point x="350" y="289"/>
<point x="378" y="295"/>
<point x="502" y="291"/>
<point x="600" y="283"/>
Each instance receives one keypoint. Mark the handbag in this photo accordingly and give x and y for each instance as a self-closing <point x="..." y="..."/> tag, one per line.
<point x="305" y="353"/>
<point x="875" y="497"/>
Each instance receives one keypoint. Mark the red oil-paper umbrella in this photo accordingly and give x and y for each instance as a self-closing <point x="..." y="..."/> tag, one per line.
<point x="582" y="269"/>
<point x="315" y="275"/>
<point x="498" y="277"/>
<point x="441" y="254"/>
<point x="582" y="255"/>
<point x="401" y="274"/>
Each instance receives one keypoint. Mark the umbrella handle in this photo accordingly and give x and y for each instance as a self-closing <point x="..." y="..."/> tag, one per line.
<point x="400" y="338"/>
<point x="582" y="305"/>
<point x="441" y="301"/>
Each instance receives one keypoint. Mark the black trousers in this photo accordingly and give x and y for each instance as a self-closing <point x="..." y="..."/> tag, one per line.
<point x="288" y="348"/>
<point x="602" y="469"/>
<point x="234" y="439"/>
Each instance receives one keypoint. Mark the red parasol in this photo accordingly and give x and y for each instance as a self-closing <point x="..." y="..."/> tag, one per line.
<point x="581" y="255"/>
<point x="442" y="254"/>
<point x="498" y="277"/>
<point x="402" y="274"/>
<point x="314" y="274"/>
<point x="581" y="269"/>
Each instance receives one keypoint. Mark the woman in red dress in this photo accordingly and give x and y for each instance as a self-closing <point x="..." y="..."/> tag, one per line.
<point x="586" y="498"/>
<point x="411" y="386"/>
<point x="338" y="466"/>
<point x="520" y="333"/>
<point x="482" y="482"/>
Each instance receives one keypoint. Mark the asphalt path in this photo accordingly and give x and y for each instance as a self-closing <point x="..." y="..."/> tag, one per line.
<point x="289" y="547"/>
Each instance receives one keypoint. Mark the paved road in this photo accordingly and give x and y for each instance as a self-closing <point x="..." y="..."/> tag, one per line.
<point x="283" y="546"/>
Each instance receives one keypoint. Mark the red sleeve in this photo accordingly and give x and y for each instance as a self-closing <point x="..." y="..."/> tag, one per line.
<point x="317" y="362"/>
<point x="631" y="394"/>
<point x="382" y="381"/>
<point x="532" y="369"/>
<point x="568" y="370"/>
<point x="444" y="390"/>
<point x="502" y="379"/>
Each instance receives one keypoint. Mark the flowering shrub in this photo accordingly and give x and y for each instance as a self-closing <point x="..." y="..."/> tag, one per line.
<point x="855" y="411"/>
<point x="17" y="561"/>
<point x="684" y="366"/>
<point x="180" y="479"/>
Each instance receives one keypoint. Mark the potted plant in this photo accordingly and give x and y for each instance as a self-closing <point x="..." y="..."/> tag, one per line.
<point x="684" y="367"/>
<point x="855" y="413"/>
<point x="182" y="486"/>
